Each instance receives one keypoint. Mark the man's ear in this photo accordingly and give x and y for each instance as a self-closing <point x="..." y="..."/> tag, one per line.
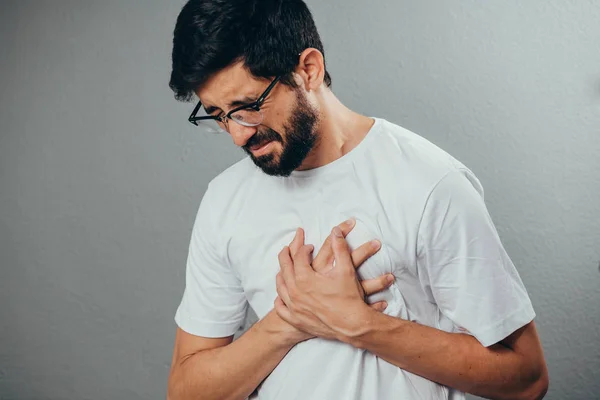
<point x="310" y="69"/>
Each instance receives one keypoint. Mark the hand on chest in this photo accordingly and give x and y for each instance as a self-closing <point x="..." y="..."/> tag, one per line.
<point x="253" y="251"/>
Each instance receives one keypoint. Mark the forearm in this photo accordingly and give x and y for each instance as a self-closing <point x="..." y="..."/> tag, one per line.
<point x="455" y="360"/>
<point x="231" y="372"/>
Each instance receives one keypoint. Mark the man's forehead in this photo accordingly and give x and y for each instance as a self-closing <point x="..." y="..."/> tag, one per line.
<point x="232" y="84"/>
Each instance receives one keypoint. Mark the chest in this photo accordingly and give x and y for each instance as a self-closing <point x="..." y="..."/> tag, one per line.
<point x="262" y="230"/>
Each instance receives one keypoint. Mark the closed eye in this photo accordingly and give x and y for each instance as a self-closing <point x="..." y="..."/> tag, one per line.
<point x="240" y="103"/>
<point x="213" y="111"/>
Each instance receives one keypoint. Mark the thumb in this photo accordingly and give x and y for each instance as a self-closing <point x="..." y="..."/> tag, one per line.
<point x="341" y="252"/>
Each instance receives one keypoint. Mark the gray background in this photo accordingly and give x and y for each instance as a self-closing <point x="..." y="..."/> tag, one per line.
<point x="101" y="175"/>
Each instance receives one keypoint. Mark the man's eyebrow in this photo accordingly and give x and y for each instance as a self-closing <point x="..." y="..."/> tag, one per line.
<point x="243" y="101"/>
<point x="235" y="103"/>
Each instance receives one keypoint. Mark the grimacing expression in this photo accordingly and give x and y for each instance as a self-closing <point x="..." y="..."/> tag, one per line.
<point x="296" y="143"/>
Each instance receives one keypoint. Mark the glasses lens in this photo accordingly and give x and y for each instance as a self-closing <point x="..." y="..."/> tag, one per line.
<point x="211" y="126"/>
<point x="247" y="117"/>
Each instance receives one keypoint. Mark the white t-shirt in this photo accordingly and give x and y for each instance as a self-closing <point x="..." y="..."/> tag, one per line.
<point x="427" y="209"/>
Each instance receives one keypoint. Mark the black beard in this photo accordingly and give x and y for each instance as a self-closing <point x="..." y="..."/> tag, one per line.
<point x="299" y="141"/>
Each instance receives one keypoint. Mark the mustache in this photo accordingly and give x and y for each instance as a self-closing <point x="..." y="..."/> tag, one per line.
<point x="263" y="137"/>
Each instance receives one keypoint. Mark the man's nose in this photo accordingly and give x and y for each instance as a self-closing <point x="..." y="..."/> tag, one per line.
<point x="241" y="134"/>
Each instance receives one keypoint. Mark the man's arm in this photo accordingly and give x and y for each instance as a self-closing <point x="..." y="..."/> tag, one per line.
<point x="231" y="371"/>
<point x="512" y="369"/>
<point x="465" y="269"/>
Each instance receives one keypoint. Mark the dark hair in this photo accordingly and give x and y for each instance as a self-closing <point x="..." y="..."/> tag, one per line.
<point x="267" y="35"/>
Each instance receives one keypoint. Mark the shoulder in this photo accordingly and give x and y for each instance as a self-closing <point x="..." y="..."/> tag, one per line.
<point x="415" y="163"/>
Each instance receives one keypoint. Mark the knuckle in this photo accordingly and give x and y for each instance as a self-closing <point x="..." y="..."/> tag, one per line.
<point x="317" y="265"/>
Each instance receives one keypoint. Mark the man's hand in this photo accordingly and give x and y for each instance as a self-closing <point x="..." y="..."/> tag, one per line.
<point x="318" y="298"/>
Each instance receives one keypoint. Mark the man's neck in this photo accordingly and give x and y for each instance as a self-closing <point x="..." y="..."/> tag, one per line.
<point x="340" y="130"/>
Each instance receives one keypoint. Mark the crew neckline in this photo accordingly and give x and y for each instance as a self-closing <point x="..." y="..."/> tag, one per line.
<point x="346" y="158"/>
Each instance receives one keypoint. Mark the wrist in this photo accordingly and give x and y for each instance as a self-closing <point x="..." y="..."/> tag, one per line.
<point x="373" y="328"/>
<point x="358" y="326"/>
<point x="278" y="331"/>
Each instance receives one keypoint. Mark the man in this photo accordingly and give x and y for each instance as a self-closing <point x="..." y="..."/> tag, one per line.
<point x="456" y="317"/>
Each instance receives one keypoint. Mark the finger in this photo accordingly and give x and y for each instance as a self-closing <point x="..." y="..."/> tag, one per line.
<point x="341" y="252"/>
<point x="359" y="256"/>
<point x="302" y="260"/>
<point x="282" y="291"/>
<point x="379" y="306"/>
<point x="297" y="242"/>
<point x="287" y="267"/>
<point x="365" y="251"/>
<point x="325" y="255"/>
<point x="376" y="285"/>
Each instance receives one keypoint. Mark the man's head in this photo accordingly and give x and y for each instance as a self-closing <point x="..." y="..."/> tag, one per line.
<point x="228" y="52"/>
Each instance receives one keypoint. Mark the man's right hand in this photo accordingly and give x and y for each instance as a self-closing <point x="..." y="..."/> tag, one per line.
<point x="321" y="263"/>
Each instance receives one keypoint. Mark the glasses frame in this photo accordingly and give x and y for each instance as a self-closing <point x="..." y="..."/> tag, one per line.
<point x="223" y="119"/>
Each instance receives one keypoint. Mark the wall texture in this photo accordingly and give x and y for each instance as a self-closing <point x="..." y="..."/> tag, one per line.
<point x="101" y="176"/>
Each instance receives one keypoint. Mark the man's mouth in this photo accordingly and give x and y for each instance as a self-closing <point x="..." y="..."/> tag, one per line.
<point x="259" y="148"/>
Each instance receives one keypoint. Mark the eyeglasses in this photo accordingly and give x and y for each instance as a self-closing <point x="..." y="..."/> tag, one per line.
<point x="246" y="115"/>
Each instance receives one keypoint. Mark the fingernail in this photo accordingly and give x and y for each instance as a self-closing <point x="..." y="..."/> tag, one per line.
<point x="390" y="279"/>
<point x="337" y="232"/>
<point x="350" y="221"/>
<point x="375" y="244"/>
<point x="383" y="306"/>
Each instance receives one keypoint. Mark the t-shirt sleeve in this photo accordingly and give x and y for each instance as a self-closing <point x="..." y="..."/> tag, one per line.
<point x="213" y="303"/>
<point x="463" y="265"/>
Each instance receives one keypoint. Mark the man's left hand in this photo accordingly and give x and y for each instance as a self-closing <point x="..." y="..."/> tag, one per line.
<point x="328" y="304"/>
